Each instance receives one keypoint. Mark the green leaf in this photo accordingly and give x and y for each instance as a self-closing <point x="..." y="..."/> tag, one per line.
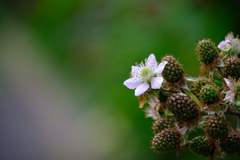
<point x="218" y="83"/>
<point x="192" y="96"/>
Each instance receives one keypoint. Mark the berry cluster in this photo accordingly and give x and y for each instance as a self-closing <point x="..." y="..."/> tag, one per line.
<point x="207" y="51"/>
<point x="173" y="70"/>
<point x="209" y="94"/>
<point x="166" y="140"/>
<point x="199" y="83"/>
<point x="216" y="128"/>
<point x="231" y="144"/>
<point x="163" y="123"/>
<point x="231" y="68"/>
<point x="201" y="146"/>
<point x="183" y="107"/>
<point x="177" y="110"/>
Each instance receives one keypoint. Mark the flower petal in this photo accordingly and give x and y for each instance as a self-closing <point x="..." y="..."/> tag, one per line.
<point x="156" y="82"/>
<point x="160" y="67"/>
<point x="132" y="83"/>
<point x="135" y="71"/>
<point x="141" y="89"/>
<point x="231" y="97"/>
<point x="227" y="82"/>
<point x="229" y="36"/>
<point x="151" y="62"/>
<point x="225" y="45"/>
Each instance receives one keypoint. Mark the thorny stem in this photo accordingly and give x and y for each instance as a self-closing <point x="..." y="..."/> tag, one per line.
<point x="168" y="91"/>
<point x="228" y="111"/>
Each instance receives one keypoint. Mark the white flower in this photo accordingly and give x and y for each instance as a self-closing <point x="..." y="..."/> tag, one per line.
<point x="230" y="43"/>
<point x="233" y="89"/>
<point x="143" y="75"/>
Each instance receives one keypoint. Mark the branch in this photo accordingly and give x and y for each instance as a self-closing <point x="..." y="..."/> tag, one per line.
<point x="228" y="111"/>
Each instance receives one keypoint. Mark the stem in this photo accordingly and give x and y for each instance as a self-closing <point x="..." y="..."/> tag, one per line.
<point x="233" y="113"/>
<point x="230" y="112"/>
<point x="238" y="125"/>
<point x="168" y="91"/>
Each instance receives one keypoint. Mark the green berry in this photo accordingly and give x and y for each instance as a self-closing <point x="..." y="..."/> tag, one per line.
<point x="231" y="68"/>
<point x="231" y="144"/>
<point x="166" y="140"/>
<point x="201" y="146"/>
<point x="163" y="123"/>
<point x="209" y="94"/>
<point x="173" y="70"/>
<point x="198" y="84"/>
<point x="183" y="107"/>
<point x="216" y="128"/>
<point x="207" y="51"/>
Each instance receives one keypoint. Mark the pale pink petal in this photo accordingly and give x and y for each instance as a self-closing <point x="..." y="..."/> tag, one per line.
<point x="132" y="83"/>
<point x="229" y="36"/>
<point x="151" y="62"/>
<point x="225" y="45"/>
<point x="160" y="67"/>
<point x="156" y="82"/>
<point x="135" y="71"/>
<point x="184" y="86"/>
<point x="141" y="89"/>
<point x="231" y="97"/>
<point x="227" y="82"/>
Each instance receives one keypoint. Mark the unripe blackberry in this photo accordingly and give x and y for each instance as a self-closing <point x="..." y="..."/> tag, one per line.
<point x="166" y="140"/>
<point x="201" y="146"/>
<point x="207" y="51"/>
<point x="163" y="123"/>
<point x="231" y="144"/>
<point x="183" y="107"/>
<point x="173" y="70"/>
<point x="231" y="68"/>
<point x="209" y="94"/>
<point x="216" y="128"/>
<point x="198" y="84"/>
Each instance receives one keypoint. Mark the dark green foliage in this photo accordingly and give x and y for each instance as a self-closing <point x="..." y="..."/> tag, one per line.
<point x="201" y="146"/>
<point x="209" y="94"/>
<point x="216" y="128"/>
<point x="231" y="68"/>
<point x="231" y="144"/>
<point x="198" y="84"/>
<point x="162" y="97"/>
<point x="183" y="107"/>
<point x="173" y="71"/>
<point x="207" y="51"/>
<point x="163" y="123"/>
<point x="166" y="140"/>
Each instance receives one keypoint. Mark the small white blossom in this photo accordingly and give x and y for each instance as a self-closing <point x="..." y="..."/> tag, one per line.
<point x="230" y="43"/>
<point x="145" y="76"/>
<point x="233" y="90"/>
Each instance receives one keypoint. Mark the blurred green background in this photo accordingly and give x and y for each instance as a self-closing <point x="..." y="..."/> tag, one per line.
<point x="63" y="64"/>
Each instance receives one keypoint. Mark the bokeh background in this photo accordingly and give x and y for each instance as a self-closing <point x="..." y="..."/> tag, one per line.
<point x="63" y="63"/>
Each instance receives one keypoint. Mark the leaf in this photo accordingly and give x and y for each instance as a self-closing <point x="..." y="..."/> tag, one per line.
<point x="217" y="82"/>
<point x="192" y="96"/>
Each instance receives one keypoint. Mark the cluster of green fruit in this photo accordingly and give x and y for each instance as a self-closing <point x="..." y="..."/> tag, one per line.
<point x="178" y="110"/>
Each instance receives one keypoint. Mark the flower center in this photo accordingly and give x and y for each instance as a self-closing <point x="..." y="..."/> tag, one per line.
<point x="145" y="72"/>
